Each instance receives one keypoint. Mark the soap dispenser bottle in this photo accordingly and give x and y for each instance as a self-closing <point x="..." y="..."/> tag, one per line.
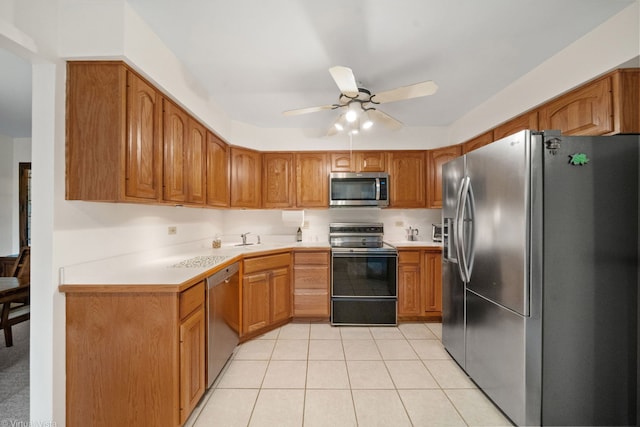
<point x="299" y="235"/>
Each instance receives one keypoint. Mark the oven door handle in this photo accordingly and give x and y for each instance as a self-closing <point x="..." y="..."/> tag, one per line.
<point x="362" y="254"/>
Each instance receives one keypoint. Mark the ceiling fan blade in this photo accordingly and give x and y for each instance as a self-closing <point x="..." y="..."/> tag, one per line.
<point x="308" y="110"/>
<point x="405" y="92"/>
<point x="343" y="76"/>
<point x="388" y="121"/>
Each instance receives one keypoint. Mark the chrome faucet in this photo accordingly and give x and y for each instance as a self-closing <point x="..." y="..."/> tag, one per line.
<point x="244" y="237"/>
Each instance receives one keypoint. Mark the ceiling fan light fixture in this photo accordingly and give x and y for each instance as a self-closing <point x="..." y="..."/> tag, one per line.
<point x="366" y="122"/>
<point x="353" y="110"/>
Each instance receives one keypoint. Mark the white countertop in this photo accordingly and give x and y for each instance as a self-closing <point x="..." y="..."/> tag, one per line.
<point x="166" y="266"/>
<point x="415" y="243"/>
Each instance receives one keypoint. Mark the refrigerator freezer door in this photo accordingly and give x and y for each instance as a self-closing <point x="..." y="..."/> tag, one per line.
<point x="496" y="355"/>
<point x="499" y="174"/>
<point x="453" y="287"/>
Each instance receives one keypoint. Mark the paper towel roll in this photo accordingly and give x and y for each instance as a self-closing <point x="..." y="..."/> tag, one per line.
<point x="293" y="218"/>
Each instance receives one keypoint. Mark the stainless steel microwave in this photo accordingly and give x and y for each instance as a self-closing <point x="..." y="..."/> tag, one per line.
<point x="358" y="189"/>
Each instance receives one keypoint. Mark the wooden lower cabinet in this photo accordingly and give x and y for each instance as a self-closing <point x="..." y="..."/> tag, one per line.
<point x="311" y="284"/>
<point x="134" y="358"/>
<point x="266" y="292"/>
<point x="419" y="284"/>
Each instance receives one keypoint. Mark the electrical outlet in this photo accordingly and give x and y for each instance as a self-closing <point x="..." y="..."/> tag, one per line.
<point x="305" y="224"/>
<point x="399" y="223"/>
<point x="173" y="230"/>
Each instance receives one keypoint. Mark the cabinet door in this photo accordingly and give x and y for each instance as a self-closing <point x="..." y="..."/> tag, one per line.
<point x="407" y="179"/>
<point x="437" y="158"/>
<point x="255" y="302"/>
<point x="175" y="139"/>
<point x="522" y="122"/>
<point x="246" y="169"/>
<point x="278" y="180"/>
<point x="192" y="366"/>
<point x="95" y="131"/>
<point x="144" y="149"/>
<point x="584" y="111"/>
<point x="280" y="294"/>
<point x="371" y="161"/>
<point x="196" y="162"/>
<point x="217" y="172"/>
<point x="477" y="142"/>
<point x="312" y="180"/>
<point x="433" y="282"/>
<point x="342" y="162"/>
<point x="409" y="290"/>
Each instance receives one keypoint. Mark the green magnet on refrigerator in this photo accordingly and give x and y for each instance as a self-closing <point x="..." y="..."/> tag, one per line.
<point x="578" y="159"/>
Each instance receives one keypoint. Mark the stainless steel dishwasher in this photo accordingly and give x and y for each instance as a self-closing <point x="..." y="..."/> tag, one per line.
<point x="222" y="319"/>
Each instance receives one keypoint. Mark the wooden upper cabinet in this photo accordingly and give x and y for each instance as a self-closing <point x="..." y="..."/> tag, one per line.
<point x="246" y="170"/>
<point x="358" y="161"/>
<point x="522" y="122"/>
<point x="583" y="111"/>
<point x="371" y="161"/>
<point x="626" y="100"/>
<point x="278" y="180"/>
<point x="144" y="155"/>
<point x="217" y="172"/>
<point x="312" y="180"/>
<point x="196" y="162"/>
<point x="407" y="179"/>
<point x="436" y="158"/>
<point x="477" y="142"/>
<point x="175" y="146"/>
<point x="113" y="127"/>
<point x="342" y="161"/>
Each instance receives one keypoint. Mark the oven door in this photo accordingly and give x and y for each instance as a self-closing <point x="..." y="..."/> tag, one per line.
<point x="364" y="274"/>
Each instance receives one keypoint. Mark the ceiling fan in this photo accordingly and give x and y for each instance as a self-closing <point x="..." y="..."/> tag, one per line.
<point x="360" y="104"/>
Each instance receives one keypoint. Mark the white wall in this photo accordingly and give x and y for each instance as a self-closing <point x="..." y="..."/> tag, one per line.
<point x="267" y="222"/>
<point x="13" y="151"/>
<point x="6" y="195"/>
<point x="68" y="232"/>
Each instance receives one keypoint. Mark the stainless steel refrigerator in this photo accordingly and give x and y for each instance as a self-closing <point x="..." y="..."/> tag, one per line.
<point x="540" y="275"/>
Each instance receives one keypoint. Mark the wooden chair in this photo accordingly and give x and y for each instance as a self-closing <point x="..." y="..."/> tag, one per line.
<point x="15" y="302"/>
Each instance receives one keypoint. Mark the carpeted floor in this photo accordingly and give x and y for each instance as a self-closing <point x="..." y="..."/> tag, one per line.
<point x="14" y="377"/>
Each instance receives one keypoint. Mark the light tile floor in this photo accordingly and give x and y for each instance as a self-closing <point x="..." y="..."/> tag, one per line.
<point x="313" y="374"/>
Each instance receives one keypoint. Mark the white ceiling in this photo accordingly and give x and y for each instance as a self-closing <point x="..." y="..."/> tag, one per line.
<point x="257" y="58"/>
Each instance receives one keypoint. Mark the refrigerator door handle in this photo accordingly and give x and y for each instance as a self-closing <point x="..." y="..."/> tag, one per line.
<point x="470" y="245"/>
<point x="457" y="228"/>
<point x="463" y="265"/>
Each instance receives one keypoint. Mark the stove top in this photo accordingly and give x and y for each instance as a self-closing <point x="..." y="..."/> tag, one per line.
<point x="358" y="237"/>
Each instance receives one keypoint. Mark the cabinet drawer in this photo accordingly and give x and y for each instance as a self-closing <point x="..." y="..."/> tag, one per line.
<point x="408" y="257"/>
<point x="311" y="278"/>
<point x="316" y="258"/>
<point x="268" y="262"/>
<point x="191" y="299"/>
<point x="310" y="304"/>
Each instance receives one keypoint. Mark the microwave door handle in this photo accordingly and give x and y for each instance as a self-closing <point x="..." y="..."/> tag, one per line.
<point x="377" y="188"/>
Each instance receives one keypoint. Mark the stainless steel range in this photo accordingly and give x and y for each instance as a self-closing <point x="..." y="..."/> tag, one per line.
<point x="364" y="271"/>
